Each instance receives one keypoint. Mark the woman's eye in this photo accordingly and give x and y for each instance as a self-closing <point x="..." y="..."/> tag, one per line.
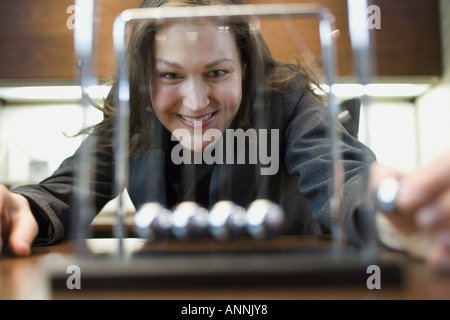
<point x="218" y="73"/>
<point x="169" y="76"/>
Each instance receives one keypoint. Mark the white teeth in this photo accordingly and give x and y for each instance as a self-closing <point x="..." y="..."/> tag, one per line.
<point x="192" y="120"/>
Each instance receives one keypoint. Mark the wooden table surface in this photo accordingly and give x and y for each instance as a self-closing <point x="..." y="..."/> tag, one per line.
<point x="30" y="277"/>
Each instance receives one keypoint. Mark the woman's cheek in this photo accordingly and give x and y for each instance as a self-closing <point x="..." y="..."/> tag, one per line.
<point x="233" y="99"/>
<point x="164" y="98"/>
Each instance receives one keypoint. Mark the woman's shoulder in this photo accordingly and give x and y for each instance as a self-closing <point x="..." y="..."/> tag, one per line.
<point x="294" y="85"/>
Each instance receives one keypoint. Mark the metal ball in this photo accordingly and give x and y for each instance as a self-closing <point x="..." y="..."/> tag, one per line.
<point x="152" y="220"/>
<point x="387" y="195"/>
<point x="226" y="220"/>
<point x="264" y="218"/>
<point x="189" y="220"/>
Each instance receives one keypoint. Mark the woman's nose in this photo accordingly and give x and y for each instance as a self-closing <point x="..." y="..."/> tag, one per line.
<point x="196" y="95"/>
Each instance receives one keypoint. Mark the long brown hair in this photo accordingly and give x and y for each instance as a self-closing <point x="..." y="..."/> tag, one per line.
<point x="255" y="56"/>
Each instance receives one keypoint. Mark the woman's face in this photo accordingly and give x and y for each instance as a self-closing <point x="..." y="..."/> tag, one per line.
<point x="197" y="79"/>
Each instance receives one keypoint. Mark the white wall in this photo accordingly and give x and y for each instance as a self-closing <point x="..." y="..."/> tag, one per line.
<point x="434" y="121"/>
<point x="37" y="132"/>
<point x="389" y="128"/>
<point x="434" y="107"/>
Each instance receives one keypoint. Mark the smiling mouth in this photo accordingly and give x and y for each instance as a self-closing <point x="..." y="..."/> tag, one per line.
<point x="201" y="119"/>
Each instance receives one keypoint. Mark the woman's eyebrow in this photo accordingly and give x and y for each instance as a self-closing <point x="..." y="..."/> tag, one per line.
<point x="169" y="63"/>
<point x="207" y="66"/>
<point x="216" y="62"/>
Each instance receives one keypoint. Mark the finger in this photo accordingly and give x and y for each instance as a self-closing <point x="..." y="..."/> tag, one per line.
<point x="438" y="255"/>
<point x="22" y="236"/>
<point x="24" y="230"/>
<point x="425" y="184"/>
<point x="3" y="216"/>
<point x="1" y="224"/>
<point x="436" y="216"/>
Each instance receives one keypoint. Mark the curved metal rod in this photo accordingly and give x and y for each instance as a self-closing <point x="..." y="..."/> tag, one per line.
<point x="83" y="45"/>
<point x="362" y="54"/>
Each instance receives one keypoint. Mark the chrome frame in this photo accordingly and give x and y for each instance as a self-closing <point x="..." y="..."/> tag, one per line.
<point x="327" y="32"/>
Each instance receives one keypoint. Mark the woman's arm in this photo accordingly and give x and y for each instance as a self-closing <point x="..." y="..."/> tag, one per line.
<point x="51" y="201"/>
<point x="308" y="155"/>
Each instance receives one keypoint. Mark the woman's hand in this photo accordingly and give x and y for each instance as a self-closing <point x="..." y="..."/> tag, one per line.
<point x="17" y="223"/>
<point x="421" y="221"/>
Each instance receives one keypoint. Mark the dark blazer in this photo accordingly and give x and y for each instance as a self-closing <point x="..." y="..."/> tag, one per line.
<point x="302" y="183"/>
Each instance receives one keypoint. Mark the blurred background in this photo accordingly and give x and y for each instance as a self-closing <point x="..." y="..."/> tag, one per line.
<point x="406" y="123"/>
